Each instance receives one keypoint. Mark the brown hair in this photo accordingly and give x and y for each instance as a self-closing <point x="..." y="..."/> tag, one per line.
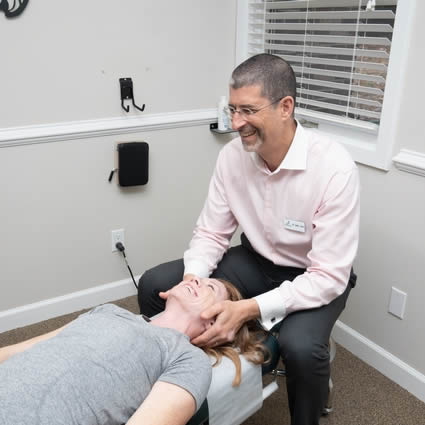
<point x="248" y="341"/>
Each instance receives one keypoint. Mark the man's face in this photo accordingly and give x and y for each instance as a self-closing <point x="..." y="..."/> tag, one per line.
<point x="195" y="296"/>
<point x="254" y="129"/>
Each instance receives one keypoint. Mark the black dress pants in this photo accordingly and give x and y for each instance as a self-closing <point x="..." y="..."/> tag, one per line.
<point x="303" y="336"/>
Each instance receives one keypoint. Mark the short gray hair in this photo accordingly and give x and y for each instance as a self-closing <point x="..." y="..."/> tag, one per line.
<point x="272" y="73"/>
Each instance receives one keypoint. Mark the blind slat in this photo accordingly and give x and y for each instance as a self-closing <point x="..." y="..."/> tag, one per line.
<point x="329" y="72"/>
<point x="324" y="105"/>
<point x="329" y="27"/>
<point x="339" y="51"/>
<point x="322" y="94"/>
<point x="331" y="84"/>
<point x="328" y="15"/>
<point x="317" y="116"/>
<point x="301" y="4"/>
<point x="335" y="62"/>
<point x="333" y="39"/>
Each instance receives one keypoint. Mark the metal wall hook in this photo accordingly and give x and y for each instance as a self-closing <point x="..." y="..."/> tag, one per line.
<point x="140" y="109"/>
<point x="126" y="108"/>
<point x="126" y="85"/>
<point x="13" y="8"/>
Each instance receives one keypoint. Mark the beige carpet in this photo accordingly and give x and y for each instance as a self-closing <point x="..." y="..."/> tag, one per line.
<point x="362" y="396"/>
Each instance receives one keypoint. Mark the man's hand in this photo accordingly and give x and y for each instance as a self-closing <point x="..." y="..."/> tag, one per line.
<point x="230" y="316"/>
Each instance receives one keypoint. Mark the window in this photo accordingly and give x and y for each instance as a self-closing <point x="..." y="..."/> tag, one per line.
<point x="340" y="51"/>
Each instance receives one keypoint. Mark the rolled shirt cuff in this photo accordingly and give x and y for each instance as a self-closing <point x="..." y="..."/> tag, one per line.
<point x="196" y="268"/>
<point x="272" y="308"/>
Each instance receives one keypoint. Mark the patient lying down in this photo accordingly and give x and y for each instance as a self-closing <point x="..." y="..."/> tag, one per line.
<point x="110" y="366"/>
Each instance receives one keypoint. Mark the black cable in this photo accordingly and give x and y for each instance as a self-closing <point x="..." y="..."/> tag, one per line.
<point x="121" y="248"/>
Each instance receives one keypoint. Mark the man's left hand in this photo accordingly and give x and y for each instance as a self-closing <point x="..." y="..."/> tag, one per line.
<point x="230" y="316"/>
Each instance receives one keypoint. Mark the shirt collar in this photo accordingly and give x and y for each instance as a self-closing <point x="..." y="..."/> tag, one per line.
<point x="295" y="158"/>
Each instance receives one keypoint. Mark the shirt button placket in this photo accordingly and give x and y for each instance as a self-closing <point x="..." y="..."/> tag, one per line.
<point x="267" y="208"/>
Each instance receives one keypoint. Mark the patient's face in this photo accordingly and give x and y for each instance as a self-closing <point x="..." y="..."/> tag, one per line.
<point x="196" y="295"/>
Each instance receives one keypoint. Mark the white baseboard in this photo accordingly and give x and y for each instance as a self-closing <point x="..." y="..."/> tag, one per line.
<point x="69" y="303"/>
<point x="380" y="359"/>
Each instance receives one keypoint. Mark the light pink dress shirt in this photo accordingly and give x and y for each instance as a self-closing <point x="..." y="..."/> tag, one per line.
<point x="304" y="214"/>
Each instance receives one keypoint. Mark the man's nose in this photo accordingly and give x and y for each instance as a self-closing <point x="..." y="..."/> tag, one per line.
<point x="238" y="121"/>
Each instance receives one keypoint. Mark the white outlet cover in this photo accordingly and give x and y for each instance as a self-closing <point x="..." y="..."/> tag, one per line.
<point x="397" y="302"/>
<point x="117" y="236"/>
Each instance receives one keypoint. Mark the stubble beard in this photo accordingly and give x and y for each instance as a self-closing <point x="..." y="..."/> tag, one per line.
<point x="249" y="147"/>
<point x="252" y="148"/>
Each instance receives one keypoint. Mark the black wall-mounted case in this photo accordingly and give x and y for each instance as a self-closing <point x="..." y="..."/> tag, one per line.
<point x="133" y="163"/>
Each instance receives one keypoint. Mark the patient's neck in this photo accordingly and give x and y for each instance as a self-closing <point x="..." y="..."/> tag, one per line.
<point x="174" y="320"/>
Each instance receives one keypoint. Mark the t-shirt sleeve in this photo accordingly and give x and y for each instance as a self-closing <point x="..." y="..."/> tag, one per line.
<point x="191" y="370"/>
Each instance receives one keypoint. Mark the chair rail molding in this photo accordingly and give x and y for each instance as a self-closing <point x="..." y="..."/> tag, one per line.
<point x="410" y="162"/>
<point x="45" y="133"/>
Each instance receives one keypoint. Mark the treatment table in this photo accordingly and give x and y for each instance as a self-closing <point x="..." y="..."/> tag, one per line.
<point x="227" y="405"/>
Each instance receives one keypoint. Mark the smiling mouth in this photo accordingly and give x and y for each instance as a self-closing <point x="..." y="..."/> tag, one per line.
<point x="247" y="133"/>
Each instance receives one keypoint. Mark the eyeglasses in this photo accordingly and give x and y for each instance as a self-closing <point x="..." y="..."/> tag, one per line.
<point x="245" y="113"/>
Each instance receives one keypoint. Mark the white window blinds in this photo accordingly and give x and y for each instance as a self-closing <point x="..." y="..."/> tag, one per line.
<point x="339" y="50"/>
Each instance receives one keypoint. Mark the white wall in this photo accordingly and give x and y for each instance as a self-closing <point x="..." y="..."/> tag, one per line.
<point x="60" y="63"/>
<point x="391" y="253"/>
<point x="392" y="248"/>
<point x="58" y="210"/>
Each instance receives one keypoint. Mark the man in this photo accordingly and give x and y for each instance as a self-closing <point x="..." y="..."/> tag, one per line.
<point x="112" y="366"/>
<point x="296" y="197"/>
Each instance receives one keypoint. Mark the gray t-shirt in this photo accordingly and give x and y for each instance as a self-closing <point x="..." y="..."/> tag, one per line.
<point x="98" y="370"/>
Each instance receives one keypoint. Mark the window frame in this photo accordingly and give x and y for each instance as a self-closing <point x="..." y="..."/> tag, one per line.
<point x="366" y="146"/>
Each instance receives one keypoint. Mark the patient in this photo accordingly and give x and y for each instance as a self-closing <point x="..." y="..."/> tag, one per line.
<point x="110" y="366"/>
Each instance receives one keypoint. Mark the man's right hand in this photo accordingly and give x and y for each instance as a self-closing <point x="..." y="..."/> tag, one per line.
<point x="229" y="317"/>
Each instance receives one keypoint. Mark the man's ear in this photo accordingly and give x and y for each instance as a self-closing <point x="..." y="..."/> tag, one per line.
<point x="287" y="106"/>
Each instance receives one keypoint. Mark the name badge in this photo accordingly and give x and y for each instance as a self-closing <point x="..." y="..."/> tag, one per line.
<point x="297" y="226"/>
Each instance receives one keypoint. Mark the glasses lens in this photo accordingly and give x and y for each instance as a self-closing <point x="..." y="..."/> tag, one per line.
<point x="229" y="112"/>
<point x="243" y="113"/>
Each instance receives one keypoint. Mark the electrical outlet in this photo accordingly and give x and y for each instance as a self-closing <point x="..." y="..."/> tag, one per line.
<point x="117" y="236"/>
<point x="397" y="302"/>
